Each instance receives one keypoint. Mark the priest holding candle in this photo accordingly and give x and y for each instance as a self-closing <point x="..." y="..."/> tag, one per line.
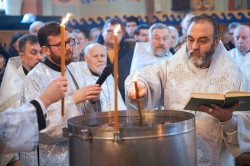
<point x="80" y="99"/>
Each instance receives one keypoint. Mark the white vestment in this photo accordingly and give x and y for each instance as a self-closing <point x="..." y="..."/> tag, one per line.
<point x="10" y="92"/>
<point x="143" y="56"/>
<point x="173" y="81"/>
<point x="12" y="84"/>
<point x="243" y="61"/>
<point x="13" y="126"/>
<point x="53" y="148"/>
<point x="107" y="95"/>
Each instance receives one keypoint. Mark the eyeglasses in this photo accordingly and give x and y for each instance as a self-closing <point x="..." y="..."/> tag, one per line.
<point x="71" y="42"/>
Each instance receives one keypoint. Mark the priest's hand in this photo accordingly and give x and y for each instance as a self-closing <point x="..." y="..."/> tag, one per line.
<point x="132" y="92"/>
<point x="90" y="92"/>
<point x="54" y="91"/>
<point x="223" y="114"/>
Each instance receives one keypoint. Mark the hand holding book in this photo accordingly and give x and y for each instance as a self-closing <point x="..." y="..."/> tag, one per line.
<point x="223" y="114"/>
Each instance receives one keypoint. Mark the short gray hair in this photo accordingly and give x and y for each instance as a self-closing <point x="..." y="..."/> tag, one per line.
<point x="86" y="50"/>
<point x="157" y="26"/>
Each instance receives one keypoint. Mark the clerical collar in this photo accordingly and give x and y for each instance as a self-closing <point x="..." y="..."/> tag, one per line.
<point x="51" y="65"/>
<point x="25" y="70"/>
<point x="93" y="73"/>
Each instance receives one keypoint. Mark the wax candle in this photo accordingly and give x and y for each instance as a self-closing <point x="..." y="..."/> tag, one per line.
<point x="116" y="74"/>
<point x="62" y="26"/>
<point x="138" y="99"/>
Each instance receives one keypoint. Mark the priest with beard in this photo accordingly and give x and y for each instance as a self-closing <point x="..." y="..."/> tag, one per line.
<point x="155" y="51"/>
<point x="80" y="99"/>
<point x="202" y="65"/>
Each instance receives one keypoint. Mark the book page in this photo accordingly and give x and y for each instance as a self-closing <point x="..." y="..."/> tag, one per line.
<point x="217" y="96"/>
<point x="237" y="94"/>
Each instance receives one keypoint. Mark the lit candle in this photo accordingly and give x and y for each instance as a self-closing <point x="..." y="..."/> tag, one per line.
<point x="116" y="75"/>
<point x="138" y="99"/>
<point x="62" y="26"/>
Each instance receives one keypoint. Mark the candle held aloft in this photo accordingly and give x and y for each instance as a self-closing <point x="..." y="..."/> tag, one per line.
<point x="62" y="27"/>
<point x="116" y="75"/>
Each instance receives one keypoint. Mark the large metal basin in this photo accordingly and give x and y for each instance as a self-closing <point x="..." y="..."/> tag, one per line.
<point x="161" y="138"/>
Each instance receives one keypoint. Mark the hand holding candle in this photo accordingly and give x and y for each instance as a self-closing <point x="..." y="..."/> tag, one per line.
<point x="62" y="26"/>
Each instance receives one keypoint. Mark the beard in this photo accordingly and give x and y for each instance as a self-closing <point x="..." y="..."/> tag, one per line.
<point x="57" y="59"/>
<point x="160" y="51"/>
<point x="203" y="58"/>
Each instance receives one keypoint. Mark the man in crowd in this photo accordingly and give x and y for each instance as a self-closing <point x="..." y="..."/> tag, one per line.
<point x="96" y="58"/>
<point x="33" y="29"/>
<point x="174" y="39"/>
<point x="82" y="39"/>
<point x="79" y="98"/>
<point x="30" y="54"/>
<point x="131" y="24"/>
<point x="221" y="133"/>
<point x="141" y="33"/>
<point x="185" y="23"/>
<point x="230" y="35"/>
<point x="155" y="51"/>
<point x="241" y="52"/>
<point x="13" y="125"/>
<point x="125" y="53"/>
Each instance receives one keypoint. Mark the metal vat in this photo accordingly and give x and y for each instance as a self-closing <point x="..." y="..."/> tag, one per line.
<point x="161" y="138"/>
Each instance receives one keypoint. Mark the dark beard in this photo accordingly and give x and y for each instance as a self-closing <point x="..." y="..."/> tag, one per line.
<point x="57" y="60"/>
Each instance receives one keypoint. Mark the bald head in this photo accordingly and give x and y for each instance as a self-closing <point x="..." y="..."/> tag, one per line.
<point x="96" y="57"/>
<point x="242" y="38"/>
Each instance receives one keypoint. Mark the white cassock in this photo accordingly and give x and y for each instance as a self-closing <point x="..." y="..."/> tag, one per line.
<point x="13" y="125"/>
<point x="173" y="81"/>
<point x="107" y="96"/>
<point x="10" y="92"/>
<point x="243" y="61"/>
<point x="53" y="148"/>
<point x="143" y="57"/>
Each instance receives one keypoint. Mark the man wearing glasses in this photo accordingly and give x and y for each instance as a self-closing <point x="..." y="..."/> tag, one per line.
<point x="79" y="98"/>
<point x="125" y="53"/>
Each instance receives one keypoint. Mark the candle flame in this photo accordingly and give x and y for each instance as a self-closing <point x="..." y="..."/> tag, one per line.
<point x="117" y="29"/>
<point x="135" y="77"/>
<point x="66" y="19"/>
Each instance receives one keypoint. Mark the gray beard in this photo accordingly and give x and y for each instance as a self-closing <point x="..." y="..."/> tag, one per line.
<point x="206" y="56"/>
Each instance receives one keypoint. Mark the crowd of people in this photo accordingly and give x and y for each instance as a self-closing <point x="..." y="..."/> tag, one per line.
<point x="169" y="65"/>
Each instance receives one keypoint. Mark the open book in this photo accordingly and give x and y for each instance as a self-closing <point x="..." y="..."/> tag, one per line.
<point x="225" y="101"/>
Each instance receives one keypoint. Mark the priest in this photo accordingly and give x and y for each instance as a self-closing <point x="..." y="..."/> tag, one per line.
<point x="202" y="65"/>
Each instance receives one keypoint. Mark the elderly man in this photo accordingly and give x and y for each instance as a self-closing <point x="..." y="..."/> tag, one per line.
<point x="230" y="35"/>
<point x="185" y="23"/>
<point x="174" y="39"/>
<point x="96" y="58"/>
<point x="79" y="98"/>
<point x="155" y="51"/>
<point x="241" y="52"/>
<point x="34" y="27"/>
<point x="221" y="133"/>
